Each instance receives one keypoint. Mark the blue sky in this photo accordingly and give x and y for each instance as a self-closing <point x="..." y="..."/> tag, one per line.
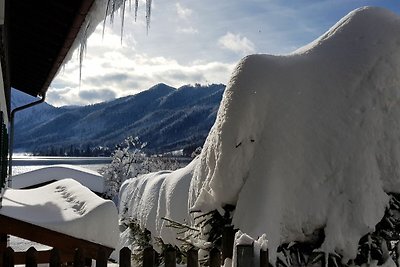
<point x="192" y="41"/>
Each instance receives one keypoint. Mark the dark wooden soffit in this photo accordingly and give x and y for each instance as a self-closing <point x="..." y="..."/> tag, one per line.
<point x="40" y="35"/>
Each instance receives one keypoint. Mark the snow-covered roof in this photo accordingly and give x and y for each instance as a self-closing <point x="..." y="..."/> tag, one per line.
<point x="91" y="179"/>
<point x="310" y="140"/>
<point x="66" y="207"/>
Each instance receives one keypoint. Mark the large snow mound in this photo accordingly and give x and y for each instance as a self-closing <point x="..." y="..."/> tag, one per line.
<point x="149" y="198"/>
<point x="67" y="207"/>
<point x="310" y="140"/>
<point x="91" y="179"/>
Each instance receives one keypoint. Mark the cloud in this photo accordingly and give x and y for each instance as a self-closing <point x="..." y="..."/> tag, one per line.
<point x="104" y="79"/>
<point x="97" y="95"/>
<point x="183" y="13"/>
<point x="187" y="30"/>
<point x="236" y="43"/>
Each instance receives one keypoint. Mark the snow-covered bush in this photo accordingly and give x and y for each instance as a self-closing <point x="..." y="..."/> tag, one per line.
<point x="306" y="146"/>
<point x="128" y="161"/>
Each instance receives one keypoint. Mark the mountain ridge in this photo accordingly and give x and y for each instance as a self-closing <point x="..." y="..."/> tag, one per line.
<point x="165" y="117"/>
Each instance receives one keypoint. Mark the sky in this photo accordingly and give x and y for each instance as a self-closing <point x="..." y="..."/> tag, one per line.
<point x="191" y="41"/>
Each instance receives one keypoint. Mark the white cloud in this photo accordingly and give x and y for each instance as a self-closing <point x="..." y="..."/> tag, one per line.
<point x="183" y="12"/>
<point x="187" y="30"/>
<point x="115" y="75"/>
<point x="236" y="43"/>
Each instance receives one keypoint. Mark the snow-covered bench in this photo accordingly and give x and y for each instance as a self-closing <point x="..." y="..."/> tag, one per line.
<point x="65" y="215"/>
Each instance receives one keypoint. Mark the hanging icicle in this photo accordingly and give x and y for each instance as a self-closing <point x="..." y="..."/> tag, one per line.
<point x="148" y="14"/>
<point x="100" y="10"/>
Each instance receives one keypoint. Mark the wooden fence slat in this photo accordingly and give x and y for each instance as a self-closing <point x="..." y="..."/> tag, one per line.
<point x="170" y="257"/>
<point x="148" y="257"/>
<point x="192" y="258"/>
<point x="79" y="258"/>
<point x="54" y="260"/>
<point x="8" y="257"/>
<point x="215" y="258"/>
<point x="245" y="256"/>
<point x="3" y="242"/>
<point x="228" y="238"/>
<point x="125" y="257"/>
<point x="101" y="259"/>
<point x="30" y="257"/>
<point x="264" y="258"/>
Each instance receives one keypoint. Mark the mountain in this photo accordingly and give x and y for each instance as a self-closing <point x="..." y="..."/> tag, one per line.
<point x="165" y="117"/>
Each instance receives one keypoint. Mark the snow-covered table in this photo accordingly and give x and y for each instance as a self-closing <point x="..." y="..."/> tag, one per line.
<point x="65" y="215"/>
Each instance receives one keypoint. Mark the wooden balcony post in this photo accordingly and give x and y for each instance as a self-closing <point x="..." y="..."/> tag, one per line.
<point x="192" y="258"/>
<point x="125" y="257"/>
<point x="31" y="257"/>
<point x="245" y="256"/>
<point x="215" y="258"/>
<point x="170" y="257"/>
<point x="148" y="257"/>
<point x="54" y="260"/>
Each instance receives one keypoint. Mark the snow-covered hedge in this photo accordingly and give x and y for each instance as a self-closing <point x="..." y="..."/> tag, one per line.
<point x="151" y="197"/>
<point x="310" y="140"/>
<point x="306" y="146"/>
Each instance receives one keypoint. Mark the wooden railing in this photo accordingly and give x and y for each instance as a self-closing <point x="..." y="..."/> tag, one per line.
<point x="32" y="257"/>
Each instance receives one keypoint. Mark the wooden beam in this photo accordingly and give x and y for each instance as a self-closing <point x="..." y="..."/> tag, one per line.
<point x="65" y="243"/>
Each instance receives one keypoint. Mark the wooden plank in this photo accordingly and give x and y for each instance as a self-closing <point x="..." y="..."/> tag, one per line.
<point x="79" y="258"/>
<point x="54" y="260"/>
<point x="125" y="257"/>
<point x="42" y="256"/>
<point x="215" y="258"/>
<point x="170" y="257"/>
<point x="148" y="257"/>
<point x="245" y="256"/>
<point x="65" y="243"/>
<point x="30" y="257"/>
<point x="8" y="257"/>
<point x="228" y="238"/>
<point x="264" y="258"/>
<point x="101" y="259"/>
<point x="192" y="258"/>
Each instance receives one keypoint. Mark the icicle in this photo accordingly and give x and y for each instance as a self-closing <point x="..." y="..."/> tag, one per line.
<point x="105" y="16"/>
<point x="148" y="14"/>
<point x="82" y="52"/>
<point x="136" y="8"/>
<point x="123" y="19"/>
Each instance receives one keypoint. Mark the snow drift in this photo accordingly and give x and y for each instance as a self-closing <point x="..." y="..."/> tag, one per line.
<point x="67" y="207"/>
<point x="310" y="140"/>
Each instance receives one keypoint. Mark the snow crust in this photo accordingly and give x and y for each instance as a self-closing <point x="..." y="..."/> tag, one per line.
<point x="67" y="207"/>
<point x="91" y="179"/>
<point x="151" y="197"/>
<point x="310" y="140"/>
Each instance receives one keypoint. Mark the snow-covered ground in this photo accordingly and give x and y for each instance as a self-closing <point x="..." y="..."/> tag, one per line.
<point x="301" y="142"/>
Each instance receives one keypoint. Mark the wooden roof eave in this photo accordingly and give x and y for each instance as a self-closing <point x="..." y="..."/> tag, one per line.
<point x="69" y="41"/>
